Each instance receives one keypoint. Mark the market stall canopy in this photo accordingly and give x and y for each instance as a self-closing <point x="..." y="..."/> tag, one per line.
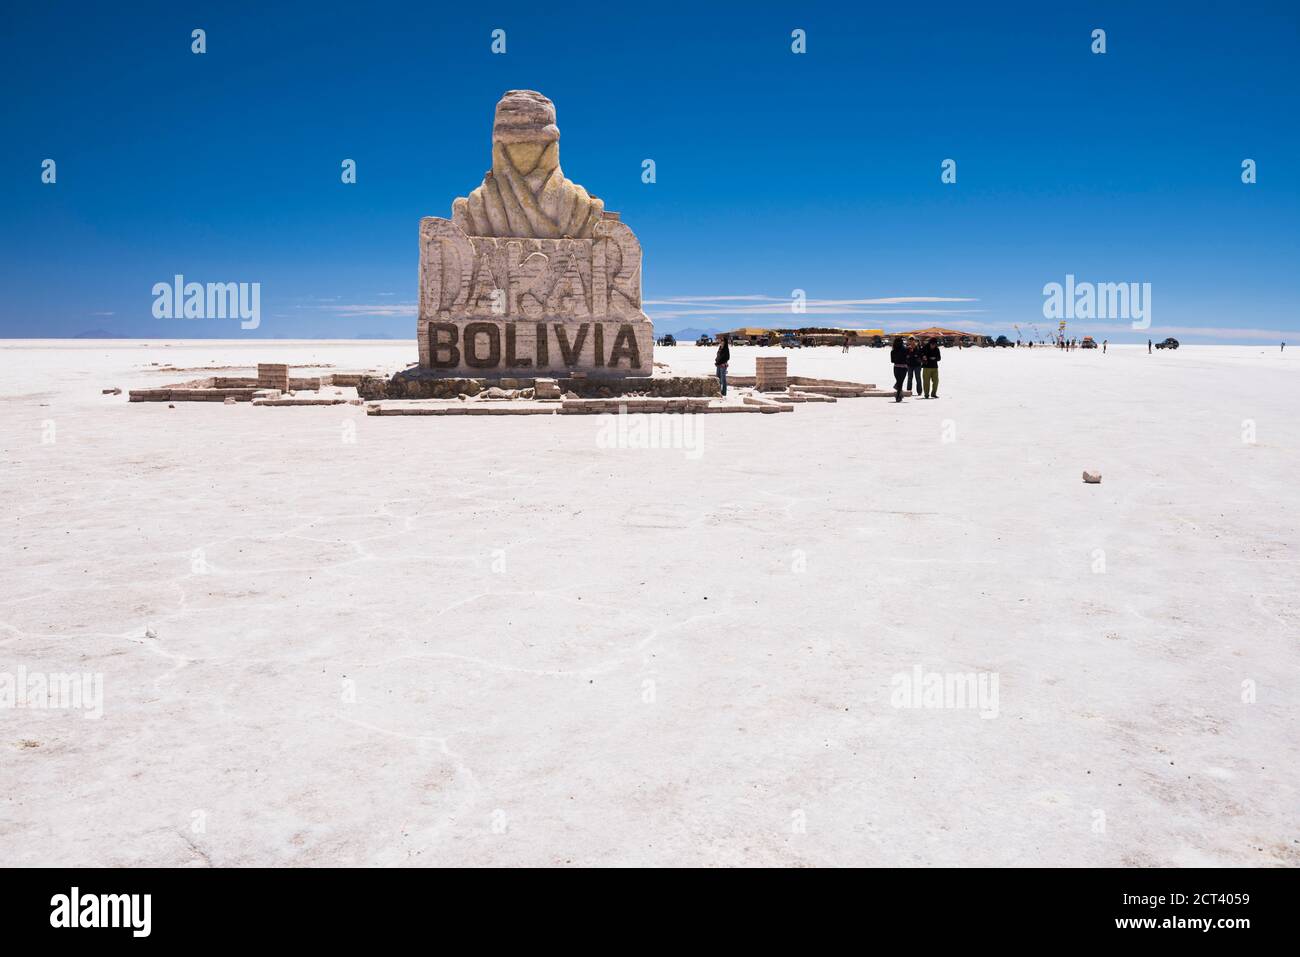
<point x="939" y="332"/>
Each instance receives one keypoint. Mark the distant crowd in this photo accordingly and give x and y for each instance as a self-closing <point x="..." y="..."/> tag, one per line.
<point x="1069" y="345"/>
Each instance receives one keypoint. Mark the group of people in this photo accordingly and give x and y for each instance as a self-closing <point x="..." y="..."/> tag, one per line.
<point x="916" y="367"/>
<point x="1069" y="345"/>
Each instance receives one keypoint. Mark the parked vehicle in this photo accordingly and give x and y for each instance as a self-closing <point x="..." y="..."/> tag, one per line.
<point x="705" y="340"/>
<point x="740" y="341"/>
<point x="1003" y="342"/>
<point x="1170" y="343"/>
<point x="1088" y="343"/>
<point x="667" y="340"/>
<point x="763" y="341"/>
<point x="790" y="342"/>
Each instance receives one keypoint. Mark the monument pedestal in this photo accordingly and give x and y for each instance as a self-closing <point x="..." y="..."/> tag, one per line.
<point x="488" y="348"/>
<point x="492" y="306"/>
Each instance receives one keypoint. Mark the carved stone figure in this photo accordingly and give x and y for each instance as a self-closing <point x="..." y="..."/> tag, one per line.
<point x="526" y="194"/>
<point x="532" y="273"/>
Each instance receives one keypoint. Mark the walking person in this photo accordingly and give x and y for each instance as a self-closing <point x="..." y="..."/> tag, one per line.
<point x="930" y="367"/>
<point x="720" y="361"/>
<point x="1148" y="347"/>
<point x="898" y="356"/>
<point x="1103" y="346"/>
<point x="914" y="366"/>
<point x="846" y="344"/>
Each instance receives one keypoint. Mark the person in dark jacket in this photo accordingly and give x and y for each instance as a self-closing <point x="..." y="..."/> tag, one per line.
<point x="720" y="362"/>
<point x="930" y="367"/>
<point x="914" y="366"/>
<point x="898" y="356"/>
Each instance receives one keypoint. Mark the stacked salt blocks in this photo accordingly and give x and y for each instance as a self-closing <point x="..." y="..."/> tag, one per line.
<point x="546" y="389"/>
<point x="272" y="375"/>
<point x="770" y="374"/>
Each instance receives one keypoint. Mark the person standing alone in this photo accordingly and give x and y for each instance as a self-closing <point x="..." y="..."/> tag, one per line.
<point x="720" y="362"/>
<point x="930" y="367"/>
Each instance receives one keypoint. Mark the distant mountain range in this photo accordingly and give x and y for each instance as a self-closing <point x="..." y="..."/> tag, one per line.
<point x="99" y="334"/>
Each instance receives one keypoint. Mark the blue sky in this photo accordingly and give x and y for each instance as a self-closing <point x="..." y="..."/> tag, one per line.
<point x="775" y="171"/>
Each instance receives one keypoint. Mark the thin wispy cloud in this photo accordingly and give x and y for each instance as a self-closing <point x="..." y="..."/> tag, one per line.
<point x="811" y="310"/>
<point x="709" y="307"/>
<point x="784" y="301"/>
<point x="384" y="309"/>
<point x="711" y="299"/>
<point x="685" y="307"/>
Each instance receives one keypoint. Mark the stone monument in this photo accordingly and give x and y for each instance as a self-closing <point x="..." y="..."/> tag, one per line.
<point x="531" y="275"/>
